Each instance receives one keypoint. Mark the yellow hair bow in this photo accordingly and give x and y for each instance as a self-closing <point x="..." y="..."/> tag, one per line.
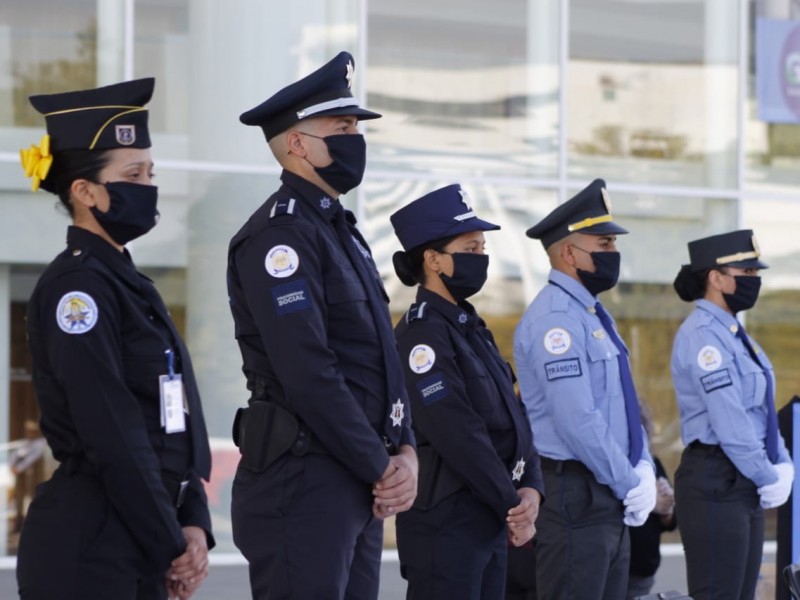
<point x="36" y="161"/>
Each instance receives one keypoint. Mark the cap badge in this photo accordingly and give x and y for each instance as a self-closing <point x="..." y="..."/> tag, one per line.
<point x="465" y="199"/>
<point x="349" y="74"/>
<point x="126" y="134"/>
<point x="606" y="199"/>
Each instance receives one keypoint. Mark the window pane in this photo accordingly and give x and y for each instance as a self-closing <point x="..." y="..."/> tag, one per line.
<point x="652" y="91"/>
<point x="464" y="86"/>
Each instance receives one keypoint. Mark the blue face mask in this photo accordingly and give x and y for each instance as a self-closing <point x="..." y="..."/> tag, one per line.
<point x="469" y="274"/>
<point x="745" y="295"/>
<point x="606" y="272"/>
<point x="131" y="213"/>
<point x="349" y="154"/>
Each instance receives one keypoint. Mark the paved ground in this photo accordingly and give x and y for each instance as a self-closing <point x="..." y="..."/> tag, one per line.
<point x="229" y="581"/>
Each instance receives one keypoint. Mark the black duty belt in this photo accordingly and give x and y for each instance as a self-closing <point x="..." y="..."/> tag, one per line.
<point x="563" y="466"/>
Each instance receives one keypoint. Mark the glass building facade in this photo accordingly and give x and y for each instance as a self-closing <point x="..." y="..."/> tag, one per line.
<point x="524" y="102"/>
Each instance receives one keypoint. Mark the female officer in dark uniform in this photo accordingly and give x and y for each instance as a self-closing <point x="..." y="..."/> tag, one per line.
<point x="125" y="515"/>
<point x="735" y="463"/>
<point x="479" y="476"/>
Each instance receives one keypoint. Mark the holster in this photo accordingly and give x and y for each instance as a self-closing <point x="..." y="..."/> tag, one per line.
<point x="436" y="481"/>
<point x="264" y="431"/>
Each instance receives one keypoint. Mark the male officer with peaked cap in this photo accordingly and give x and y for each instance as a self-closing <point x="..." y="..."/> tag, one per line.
<point x="327" y="447"/>
<point x="576" y="384"/>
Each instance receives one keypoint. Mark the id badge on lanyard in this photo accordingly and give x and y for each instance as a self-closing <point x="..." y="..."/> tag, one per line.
<point x="173" y="419"/>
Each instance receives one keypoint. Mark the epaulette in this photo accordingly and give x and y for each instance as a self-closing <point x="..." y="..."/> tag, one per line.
<point x="417" y="312"/>
<point x="284" y="206"/>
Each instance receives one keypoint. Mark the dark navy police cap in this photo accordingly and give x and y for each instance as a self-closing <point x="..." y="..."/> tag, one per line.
<point x="442" y="213"/>
<point x="734" y="249"/>
<point x="102" y="118"/>
<point x="325" y="92"/>
<point x="588" y="211"/>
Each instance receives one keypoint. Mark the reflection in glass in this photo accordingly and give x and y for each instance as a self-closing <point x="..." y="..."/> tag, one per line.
<point x="652" y="91"/>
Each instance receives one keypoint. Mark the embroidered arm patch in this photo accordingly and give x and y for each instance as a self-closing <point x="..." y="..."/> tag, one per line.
<point x="432" y="388"/>
<point x="291" y="297"/>
<point x="558" y="369"/>
<point x="716" y="380"/>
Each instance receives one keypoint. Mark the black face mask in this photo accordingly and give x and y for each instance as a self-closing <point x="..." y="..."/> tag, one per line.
<point x="606" y="272"/>
<point x="745" y="294"/>
<point x="132" y="211"/>
<point x="469" y="274"/>
<point x="349" y="154"/>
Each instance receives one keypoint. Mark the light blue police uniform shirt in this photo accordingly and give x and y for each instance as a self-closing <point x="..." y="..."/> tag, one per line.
<point x="721" y="391"/>
<point x="570" y="382"/>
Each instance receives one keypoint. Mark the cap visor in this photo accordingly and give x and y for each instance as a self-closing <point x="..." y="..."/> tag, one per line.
<point x="753" y="263"/>
<point x="362" y="113"/>
<point x="603" y="228"/>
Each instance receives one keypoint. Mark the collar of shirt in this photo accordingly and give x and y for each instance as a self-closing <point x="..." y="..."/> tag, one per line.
<point x="728" y="320"/>
<point x="79" y="238"/>
<point x="574" y="288"/>
<point x="310" y="194"/>
<point x="461" y="315"/>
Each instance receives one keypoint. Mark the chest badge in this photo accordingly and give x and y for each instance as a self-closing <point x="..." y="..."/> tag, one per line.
<point x="76" y="313"/>
<point x="397" y="413"/>
<point x="518" y="470"/>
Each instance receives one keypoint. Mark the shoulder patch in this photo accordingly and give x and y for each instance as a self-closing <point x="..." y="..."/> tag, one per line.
<point x="716" y="380"/>
<point x="76" y="313"/>
<point x="558" y="369"/>
<point x="283" y="207"/>
<point x="291" y="296"/>
<point x="709" y="358"/>
<point x="432" y="388"/>
<point x="281" y="261"/>
<point x="421" y="358"/>
<point x="557" y="341"/>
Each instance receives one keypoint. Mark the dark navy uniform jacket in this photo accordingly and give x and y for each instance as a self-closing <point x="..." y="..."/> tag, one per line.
<point x="305" y="327"/>
<point x="98" y="333"/>
<point x="470" y="418"/>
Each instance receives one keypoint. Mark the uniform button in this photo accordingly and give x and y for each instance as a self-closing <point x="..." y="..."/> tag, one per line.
<point x="151" y="317"/>
<point x="77" y="252"/>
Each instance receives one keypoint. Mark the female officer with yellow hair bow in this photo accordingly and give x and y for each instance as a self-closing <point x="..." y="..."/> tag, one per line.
<point x="125" y="514"/>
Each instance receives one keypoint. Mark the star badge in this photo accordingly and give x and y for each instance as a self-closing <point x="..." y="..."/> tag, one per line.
<point x="465" y="199"/>
<point x="397" y="413"/>
<point x="519" y="469"/>
<point x="462" y="318"/>
<point x="349" y="74"/>
<point x="325" y="203"/>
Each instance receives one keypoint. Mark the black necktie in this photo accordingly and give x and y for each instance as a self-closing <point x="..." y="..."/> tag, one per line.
<point x="370" y="279"/>
<point x="772" y="417"/>
<point x="635" y="438"/>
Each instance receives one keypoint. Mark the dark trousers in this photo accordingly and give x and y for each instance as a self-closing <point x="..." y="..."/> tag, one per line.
<point x="75" y="546"/>
<point x="455" y="550"/>
<point x="722" y="525"/>
<point x="305" y="525"/>
<point x="582" y="548"/>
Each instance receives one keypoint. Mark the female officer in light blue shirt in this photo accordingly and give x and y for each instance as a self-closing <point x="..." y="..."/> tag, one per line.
<point x="735" y="463"/>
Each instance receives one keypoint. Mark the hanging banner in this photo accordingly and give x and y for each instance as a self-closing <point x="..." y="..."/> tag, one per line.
<point x="778" y="70"/>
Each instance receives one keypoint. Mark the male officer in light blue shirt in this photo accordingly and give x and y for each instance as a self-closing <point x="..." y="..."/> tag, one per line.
<point x="576" y="383"/>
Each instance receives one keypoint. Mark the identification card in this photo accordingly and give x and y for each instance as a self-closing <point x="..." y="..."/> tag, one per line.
<point x="173" y="419"/>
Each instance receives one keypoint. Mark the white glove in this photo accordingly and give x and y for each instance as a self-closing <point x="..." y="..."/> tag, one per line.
<point x="775" y="494"/>
<point x="641" y="499"/>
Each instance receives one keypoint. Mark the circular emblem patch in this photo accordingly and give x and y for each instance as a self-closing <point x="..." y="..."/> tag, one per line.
<point x="557" y="341"/>
<point x="76" y="312"/>
<point x="421" y="358"/>
<point x="281" y="261"/>
<point x="709" y="358"/>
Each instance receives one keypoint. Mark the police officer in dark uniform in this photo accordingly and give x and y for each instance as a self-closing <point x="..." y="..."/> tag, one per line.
<point x="125" y="514"/>
<point x="326" y="442"/>
<point x="480" y="480"/>
<point x="735" y="464"/>
<point x="576" y="383"/>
